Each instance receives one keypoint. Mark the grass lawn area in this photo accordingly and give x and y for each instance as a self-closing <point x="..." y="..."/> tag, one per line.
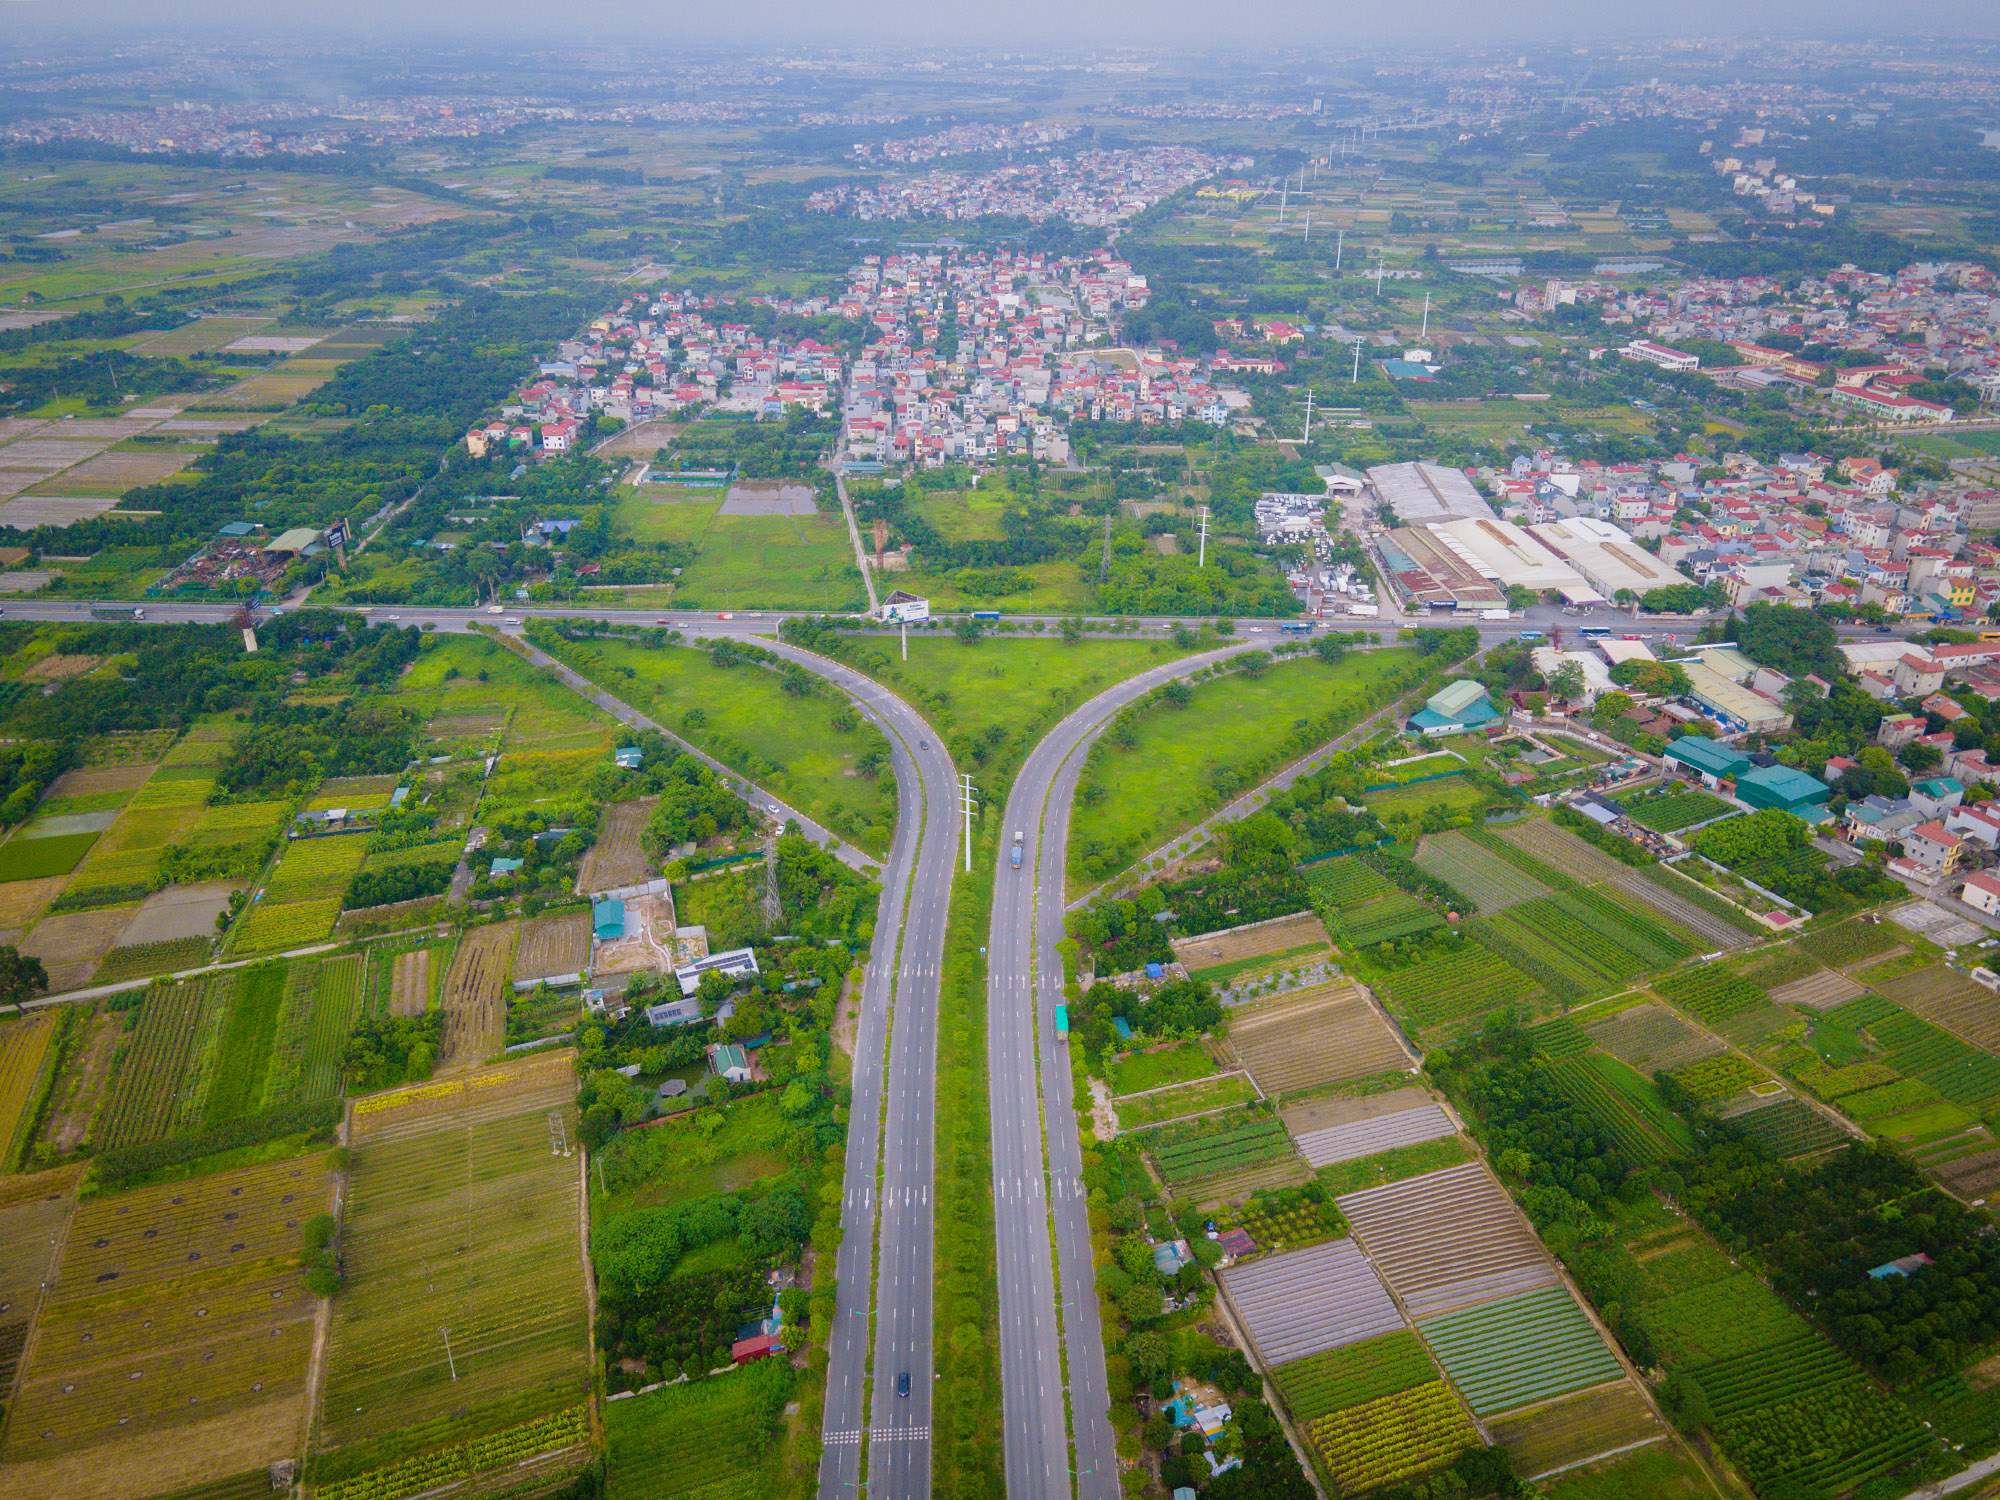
<point x="750" y="562"/>
<point x="1005" y="682"/>
<point x="1186" y="762"/>
<point x="1152" y="1070"/>
<point x="746" y="709"/>
<point x="537" y="708"/>
<point x="1932" y="1122"/>
<point x="1052" y="586"/>
<point x="715" y="1150"/>
<point x="1455" y="792"/>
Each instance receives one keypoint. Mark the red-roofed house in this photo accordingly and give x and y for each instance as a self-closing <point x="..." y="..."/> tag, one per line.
<point x="1983" y="892"/>
<point x="1933" y="846"/>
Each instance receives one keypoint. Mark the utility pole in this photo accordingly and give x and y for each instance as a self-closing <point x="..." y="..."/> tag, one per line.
<point x="449" y="1361"/>
<point x="1355" y="379"/>
<point x="1104" y="559"/>
<point x="969" y="807"/>
<point x="1378" y="270"/>
<point x="1309" y="416"/>
<point x="1309" y="226"/>
<point x="1339" y="245"/>
<point x="1427" y="318"/>
<point x="1284" y="197"/>
<point x="1202" y="560"/>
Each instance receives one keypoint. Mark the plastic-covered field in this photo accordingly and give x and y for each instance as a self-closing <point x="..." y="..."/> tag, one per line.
<point x="1310" y="1301"/>
<point x="1447" y="1240"/>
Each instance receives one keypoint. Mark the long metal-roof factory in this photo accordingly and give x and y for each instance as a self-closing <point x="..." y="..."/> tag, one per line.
<point x="1452" y="552"/>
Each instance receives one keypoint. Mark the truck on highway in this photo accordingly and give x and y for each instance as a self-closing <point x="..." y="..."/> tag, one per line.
<point x="121" y="613"/>
<point x="1496" y="614"/>
<point x="1062" y="1023"/>
<point x="1014" y="854"/>
<point x="986" y="614"/>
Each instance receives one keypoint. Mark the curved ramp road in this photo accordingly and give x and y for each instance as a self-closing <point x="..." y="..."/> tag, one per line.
<point x="884" y="1266"/>
<point x="1031" y="1193"/>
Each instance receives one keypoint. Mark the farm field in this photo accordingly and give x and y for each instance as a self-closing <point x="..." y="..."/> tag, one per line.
<point x="1624" y="1105"/>
<point x="1822" y="989"/>
<point x="1337" y="1143"/>
<point x="1697" y="1307"/>
<point x="1849" y="943"/>
<point x="1313" y="1037"/>
<point x="1393" y="1437"/>
<point x="1918" y="1050"/>
<point x="162" y="1080"/>
<point x="274" y="927"/>
<point x="1520" y="1351"/>
<point x="1948" y="998"/>
<point x="549" y="1446"/>
<point x="179" y="1310"/>
<point x="24" y="1043"/>
<point x="1201" y="1149"/>
<point x="310" y="868"/>
<point x="1650" y="1038"/>
<point x="552" y="946"/>
<point x="403" y="977"/>
<point x="1684" y="809"/>
<point x="1580" y="943"/>
<point x="1436" y="994"/>
<point x="1561" y="850"/>
<point x="616" y="859"/>
<point x="1309" y="1301"/>
<point x="1491" y="883"/>
<point x="1692" y="906"/>
<point x="1186" y="1099"/>
<point x="1579" y="1428"/>
<point x="709" y="1438"/>
<point x="474" y="996"/>
<point x="1353" y="1374"/>
<point x="34" y="1211"/>
<point x="459" y="1215"/>
<point x="1656" y="1472"/>
<point x="1217" y="956"/>
<point x="1789" y="1128"/>
<point x="1448" y="1240"/>
<point x="1394" y="1165"/>
<point x="335" y="997"/>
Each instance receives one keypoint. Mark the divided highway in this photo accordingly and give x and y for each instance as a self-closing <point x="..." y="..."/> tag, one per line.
<point x="884" y="1266"/>
<point x="1029" y="1090"/>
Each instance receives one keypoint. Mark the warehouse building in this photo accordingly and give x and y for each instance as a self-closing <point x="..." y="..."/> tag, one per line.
<point x="1502" y="551"/>
<point x="1710" y="760"/>
<point x="1785" y="788"/>
<point x="1428" y="492"/>
<point x="1734" y="706"/>
<point x="1607" y="558"/>
<point x="1455" y="708"/>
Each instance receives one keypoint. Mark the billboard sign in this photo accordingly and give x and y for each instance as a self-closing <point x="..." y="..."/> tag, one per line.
<point x="905" y="609"/>
<point x="336" y="534"/>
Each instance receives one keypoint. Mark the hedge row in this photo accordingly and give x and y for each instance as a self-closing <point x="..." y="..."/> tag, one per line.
<point x="127" y="1164"/>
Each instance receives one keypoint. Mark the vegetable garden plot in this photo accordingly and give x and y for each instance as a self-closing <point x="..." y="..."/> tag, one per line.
<point x="1208" y="1148"/>
<point x="1696" y="1306"/>
<point x="1562" y="849"/>
<point x="1850" y="942"/>
<point x="1577" y="1429"/>
<point x="1356" y="1373"/>
<point x="1588" y="1090"/>
<point x="1863" y="1010"/>
<point x="310" y="868"/>
<point x="1488" y="881"/>
<point x="1365" y="1137"/>
<point x="456" y="1204"/>
<point x="291" y="924"/>
<point x="1961" y="1073"/>
<point x="1448" y="1240"/>
<point x="1717" y="923"/>
<point x="1309" y="1301"/>
<point x="1559" y="1038"/>
<point x="23" y="1041"/>
<point x="1383" y="920"/>
<point x="474" y="997"/>
<point x="159" y="1087"/>
<point x="1579" y="942"/>
<point x="510" y="1448"/>
<point x="1680" y="810"/>
<point x="1396" y="1437"/>
<point x="1313" y="1037"/>
<point x="1451" y="987"/>
<point x="1970" y="1177"/>
<point x="1344" y="883"/>
<point x="1226" y="950"/>
<point x="1820" y="990"/>
<point x="1789" y="1128"/>
<point x="712" y="1438"/>
<point x="1712" y="995"/>
<point x="1951" y="999"/>
<point x="1719" y="1077"/>
<point x="616" y="859"/>
<point x="1523" y="1350"/>
<point x="1651" y="1038"/>
<point x="1799" y="1409"/>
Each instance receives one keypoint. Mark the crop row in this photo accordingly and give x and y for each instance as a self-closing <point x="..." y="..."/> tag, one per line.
<point x="1824" y="1439"/>
<point x="1516" y="939"/>
<point x="288" y="1047"/>
<point x="1960" y="1072"/>
<point x="1864" y="1010"/>
<point x="1393" y="916"/>
<point x="1559" y="1038"/>
<point x="289" y="924"/>
<point x="1395" y="1437"/>
<point x="1720" y="1076"/>
<point x="1471" y="982"/>
<point x="332" y="1017"/>
<point x="311" y="867"/>
<point x="1642" y="1096"/>
<point x="148" y="1100"/>
<point x="1889" y="1099"/>
<point x="423" y="1471"/>
<point x="1673" y="813"/>
<point x="1320" y="1384"/>
<point x="1525" y="1349"/>
<point x="1804" y="1362"/>
<point x="1520" y="859"/>
<point x="1584" y="1087"/>
<point x="1653" y="943"/>
<point x="1837" y="1083"/>
<point x="1711" y="995"/>
<point x="1342" y="883"/>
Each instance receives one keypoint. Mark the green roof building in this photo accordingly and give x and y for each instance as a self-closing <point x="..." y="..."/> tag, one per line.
<point x="1783" y="787"/>
<point x="1711" y="760"/>
<point x="1454" y="708"/>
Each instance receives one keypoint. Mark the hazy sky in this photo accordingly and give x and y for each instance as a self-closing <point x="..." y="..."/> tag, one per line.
<point x="1043" y="24"/>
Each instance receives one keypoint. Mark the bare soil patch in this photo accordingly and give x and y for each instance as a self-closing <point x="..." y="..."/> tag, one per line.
<point x="648" y="942"/>
<point x="71" y="945"/>
<point x="1324" y="1114"/>
<point x="1312" y="1037"/>
<point x="552" y="946"/>
<point x="179" y="911"/>
<point x="616" y="859"/>
<point x="60" y="667"/>
<point x="474" y="999"/>
<point x="21" y="901"/>
<point x="1822" y="990"/>
<point x="410" y="983"/>
<point x="1211" y="949"/>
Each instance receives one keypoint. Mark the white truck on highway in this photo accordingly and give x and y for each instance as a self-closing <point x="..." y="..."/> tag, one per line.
<point x="1014" y="854"/>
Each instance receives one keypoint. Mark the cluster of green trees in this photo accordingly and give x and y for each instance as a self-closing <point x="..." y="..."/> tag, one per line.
<point x="1180" y="1007"/>
<point x="105" y="378"/>
<point x="385" y="1050"/>
<point x="290" y="747"/>
<point x="1794" y="641"/>
<point x="25" y="773"/>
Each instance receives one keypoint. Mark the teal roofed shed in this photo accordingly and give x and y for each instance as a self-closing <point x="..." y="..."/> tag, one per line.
<point x="1709" y="758"/>
<point x="1782" y="787"/>
<point x="607" y="920"/>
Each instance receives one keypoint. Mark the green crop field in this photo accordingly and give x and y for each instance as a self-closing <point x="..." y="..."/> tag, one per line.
<point x="1591" y="1092"/>
<point x="1720" y="1076"/>
<point x="1324" y="1383"/>
<point x="1391" y="1438"/>
<point x="1521" y="1350"/>
<point x="1559" y="1038"/>
<point x="162" y="1080"/>
<point x="458" y="1206"/>
<point x="37" y="859"/>
<point x="435" y="1468"/>
<point x="1185" y="762"/>
<point x="708" y="1439"/>
<point x="744" y="718"/>
<point x="1680" y="810"/>
<point x="1579" y="942"/>
<point x="1848" y="943"/>
<point x="1394" y="1165"/>
<point x="1790" y="1128"/>
<point x="245" y="1056"/>
<point x="496" y="688"/>
<point x="1455" y="987"/>
<point x="273" y="927"/>
<point x="311" y="868"/>
<point x="1186" y="1099"/>
<point x="1711" y="994"/>
<point x="1209" y="1148"/>
<point x="1959" y="1072"/>
<point x="1487" y="880"/>
<point x="1696" y="1306"/>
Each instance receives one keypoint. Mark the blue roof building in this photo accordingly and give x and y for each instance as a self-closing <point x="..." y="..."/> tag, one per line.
<point x="502" y="868"/>
<point x="1455" y="708"/>
<point x="607" y="920"/>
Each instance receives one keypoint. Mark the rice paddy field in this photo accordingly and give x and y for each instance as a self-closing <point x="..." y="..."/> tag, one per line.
<point x="462" y="1213"/>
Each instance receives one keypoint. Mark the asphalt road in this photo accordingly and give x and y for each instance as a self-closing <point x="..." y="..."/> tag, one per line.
<point x="884" y="1265"/>
<point x="1031" y="1191"/>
